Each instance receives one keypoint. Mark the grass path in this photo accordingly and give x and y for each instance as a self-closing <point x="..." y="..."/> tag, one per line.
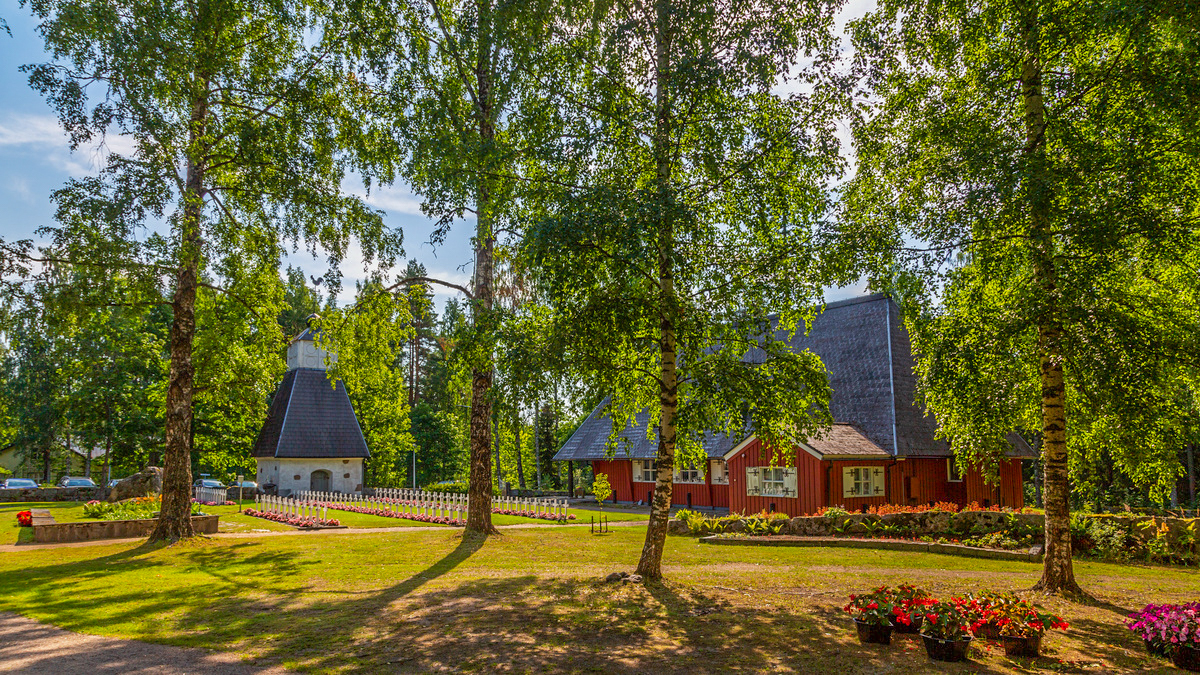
<point x="530" y="600"/>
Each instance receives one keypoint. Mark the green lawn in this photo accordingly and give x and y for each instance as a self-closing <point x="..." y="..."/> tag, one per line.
<point x="233" y="521"/>
<point x="530" y="600"/>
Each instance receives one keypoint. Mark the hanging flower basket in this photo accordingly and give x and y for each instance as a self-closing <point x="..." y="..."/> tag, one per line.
<point x="1187" y="657"/>
<point x="874" y="633"/>
<point x="946" y="650"/>
<point x="1022" y="645"/>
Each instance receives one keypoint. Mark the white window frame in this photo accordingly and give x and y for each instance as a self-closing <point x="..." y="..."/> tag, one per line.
<point x="952" y="470"/>
<point x="689" y="475"/>
<point x="862" y="482"/>
<point x="719" y="471"/>
<point x="771" y="481"/>
<point x="645" y="467"/>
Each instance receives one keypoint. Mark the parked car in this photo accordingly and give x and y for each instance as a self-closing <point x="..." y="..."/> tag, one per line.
<point x="19" y="483"/>
<point x="76" y="481"/>
<point x="249" y="488"/>
<point x="208" y="483"/>
<point x="113" y="483"/>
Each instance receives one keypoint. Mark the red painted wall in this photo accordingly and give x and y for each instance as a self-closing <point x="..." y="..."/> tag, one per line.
<point x="626" y="489"/>
<point x="913" y="481"/>
<point x="620" y="477"/>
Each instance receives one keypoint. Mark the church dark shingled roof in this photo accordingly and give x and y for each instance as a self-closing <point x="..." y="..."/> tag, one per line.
<point x="310" y="419"/>
<point x="865" y="348"/>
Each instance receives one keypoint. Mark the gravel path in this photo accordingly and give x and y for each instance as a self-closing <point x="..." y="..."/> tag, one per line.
<point x="27" y="646"/>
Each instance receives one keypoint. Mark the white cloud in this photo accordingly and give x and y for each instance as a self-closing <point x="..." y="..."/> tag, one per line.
<point x="36" y="130"/>
<point x="390" y="198"/>
<point x="42" y="134"/>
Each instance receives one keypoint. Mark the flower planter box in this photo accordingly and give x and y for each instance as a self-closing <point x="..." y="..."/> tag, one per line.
<point x="1157" y="649"/>
<point x="1022" y="646"/>
<point x="1187" y="657"/>
<point x="946" y="650"/>
<point x="909" y="628"/>
<point x="874" y="633"/>
<point x="88" y="530"/>
<point x="988" y="631"/>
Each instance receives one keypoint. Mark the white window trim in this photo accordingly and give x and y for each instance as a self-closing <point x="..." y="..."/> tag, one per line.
<point x="874" y="485"/>
<point x="698" y="476"/>
<point x="951" y="465"/>
<point x="641" y="469"/>
<point x="723" y="477"/>
<point x="757" y="483"/>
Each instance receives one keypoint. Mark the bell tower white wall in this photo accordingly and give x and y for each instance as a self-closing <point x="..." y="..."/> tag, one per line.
<point x="306" y="354"/>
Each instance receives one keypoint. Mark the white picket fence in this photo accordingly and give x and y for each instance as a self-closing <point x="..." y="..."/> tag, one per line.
<point x="407" y="502"/>
<point x="292" y="508"/>
<point x="204" y="494"/>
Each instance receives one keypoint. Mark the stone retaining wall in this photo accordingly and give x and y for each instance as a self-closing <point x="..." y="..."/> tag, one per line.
<point x="936" y="523"/>
<point x="916" y="546"/>
<point x="58" y="533"/>
<point x="52" y="494"/>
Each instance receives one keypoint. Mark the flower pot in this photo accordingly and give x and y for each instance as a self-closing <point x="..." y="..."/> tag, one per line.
<point x="946" y="650"/>
<point x="909" y="628"/>
<point x="1187" y="657"/>
<point x="1157" y="648"/>
<point x="874" y="633"/>
<point x="1016" y="645"/>
<point x="988" y="631"/>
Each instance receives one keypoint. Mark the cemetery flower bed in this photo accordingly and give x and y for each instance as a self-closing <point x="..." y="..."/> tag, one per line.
<point x="371" y="511"/>
<point x="1102" y="536"/>
<point x="139" y="508"/>
<point x="294" y="521"/>
<point x="947" y="627"/>
<point x="224" y="503"/>
<point x="25" y="518"/>
<point x="529" y="514"/>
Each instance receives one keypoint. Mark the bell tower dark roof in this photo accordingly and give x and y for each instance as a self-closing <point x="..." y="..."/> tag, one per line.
<point x="309" y="418"/>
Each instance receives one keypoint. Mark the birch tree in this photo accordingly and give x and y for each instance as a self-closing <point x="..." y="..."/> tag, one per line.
<point x="1045" y="156"/>
<point x="693" y="215"/>
<point x="236" y="118"/>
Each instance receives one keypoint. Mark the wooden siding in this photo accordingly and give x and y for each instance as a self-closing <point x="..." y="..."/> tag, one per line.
<point x="626" y="489"/>
<point x="810" y="482"/>
<point x="620" y="477"/>
<point x="912" y="481"/>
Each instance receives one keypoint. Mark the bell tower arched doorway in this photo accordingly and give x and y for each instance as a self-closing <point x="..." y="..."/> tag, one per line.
<point x="319" y="481"/>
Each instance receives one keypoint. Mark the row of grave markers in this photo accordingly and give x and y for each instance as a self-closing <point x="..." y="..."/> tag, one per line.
<point x="286" y="506"/>
<point x="438" y="503"/>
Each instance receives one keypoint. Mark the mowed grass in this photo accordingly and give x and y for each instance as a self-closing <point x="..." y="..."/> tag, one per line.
<point x="232" y="520"/>
<point x="532" y="600"/>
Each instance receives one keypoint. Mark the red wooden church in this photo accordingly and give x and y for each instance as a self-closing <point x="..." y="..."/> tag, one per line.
<point x="881" y="448"/>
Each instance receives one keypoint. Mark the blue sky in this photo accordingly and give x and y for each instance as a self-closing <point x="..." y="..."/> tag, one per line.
<point x="35" y="160"/>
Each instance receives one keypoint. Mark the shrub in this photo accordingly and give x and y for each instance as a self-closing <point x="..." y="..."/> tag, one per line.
<point x="832" y="512"/>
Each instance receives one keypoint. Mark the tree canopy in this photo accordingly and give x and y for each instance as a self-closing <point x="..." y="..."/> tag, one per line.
<point x="1035" y="165"/>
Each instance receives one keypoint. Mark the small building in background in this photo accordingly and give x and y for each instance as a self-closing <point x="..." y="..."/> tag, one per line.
<point x="311" y="439"/>
<point x="882" y="448"/>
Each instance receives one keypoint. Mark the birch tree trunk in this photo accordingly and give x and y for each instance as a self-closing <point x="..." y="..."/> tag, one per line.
<point x="1058" y="574"/>
<point x="174" y="522"/>
<point x="650" y="564"/>
<point x="479" y="512"/>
